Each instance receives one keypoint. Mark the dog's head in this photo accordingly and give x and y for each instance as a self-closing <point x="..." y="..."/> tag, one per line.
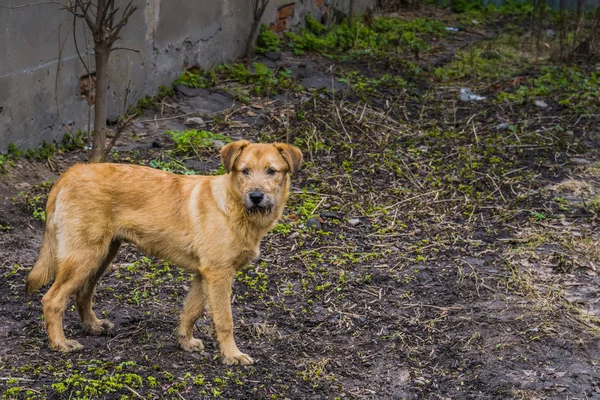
<point x="260" y="174"/>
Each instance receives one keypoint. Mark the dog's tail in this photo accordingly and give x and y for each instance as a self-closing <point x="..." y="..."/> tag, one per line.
<point x="46" y="266"/>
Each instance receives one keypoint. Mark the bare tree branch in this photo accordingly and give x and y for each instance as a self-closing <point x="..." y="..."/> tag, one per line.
<point x="32" y="4"/>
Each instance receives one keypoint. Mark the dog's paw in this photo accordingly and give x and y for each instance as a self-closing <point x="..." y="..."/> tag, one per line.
<point x="192" y="345"/>
<point x="66" y="346"/>
<point x="99" y="327"/>
<point x="238" y="359"/>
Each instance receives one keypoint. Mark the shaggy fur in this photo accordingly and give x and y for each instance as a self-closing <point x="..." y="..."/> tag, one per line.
<point x="208" y="225"/>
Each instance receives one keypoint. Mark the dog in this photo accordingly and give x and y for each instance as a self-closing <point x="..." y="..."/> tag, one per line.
<point x="210" y="225"/>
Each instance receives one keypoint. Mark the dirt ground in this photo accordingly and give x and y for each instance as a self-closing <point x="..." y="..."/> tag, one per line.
<point x="431" y="248"/>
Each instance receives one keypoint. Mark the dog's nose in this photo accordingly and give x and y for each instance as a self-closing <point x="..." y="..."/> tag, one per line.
<point x="256" y="197"/>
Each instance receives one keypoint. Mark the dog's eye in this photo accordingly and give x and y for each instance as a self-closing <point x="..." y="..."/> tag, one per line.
<point x="271" y="171"/>
<point x="246" y="171"/>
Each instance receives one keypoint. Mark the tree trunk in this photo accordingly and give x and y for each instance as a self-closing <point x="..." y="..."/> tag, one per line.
<point x="250" y="41"/>
<point x="350" y="13"/>
<point x="259" y="9"/>
<point x="562" y="34"/>
<point x="102" y="51"/>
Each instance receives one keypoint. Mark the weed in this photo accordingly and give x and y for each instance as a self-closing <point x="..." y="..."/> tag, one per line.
<point x="5" y="160"/>
<point x="314" y="26"/>
<point x="265" y="82"/>
<point x="365" y="87"/>
<point x="569" y="86"/>
<point x="267" y="41"/>
<point x="386" y="35"/>
<point x="71" y="142"/>
<point x="486" y="63"/>
<point x="197" y="78"/>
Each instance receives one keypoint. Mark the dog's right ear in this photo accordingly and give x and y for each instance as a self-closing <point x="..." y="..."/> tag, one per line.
<point x="230" y="152"/>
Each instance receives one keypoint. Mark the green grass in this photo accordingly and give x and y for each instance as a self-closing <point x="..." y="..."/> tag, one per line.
<point x="569" y="86"/>
<point x="491" y="61"/>
<point x="385" y="35"/>
<point x="262" y="79"/>
<point x="191" y="141"/>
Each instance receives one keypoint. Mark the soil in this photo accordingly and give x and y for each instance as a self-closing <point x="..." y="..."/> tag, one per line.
<point x="413" y="287"/>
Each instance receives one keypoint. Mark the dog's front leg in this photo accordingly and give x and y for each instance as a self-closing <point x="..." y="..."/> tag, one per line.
<point x="219" y="300"/>
<point x="193" y="307"/>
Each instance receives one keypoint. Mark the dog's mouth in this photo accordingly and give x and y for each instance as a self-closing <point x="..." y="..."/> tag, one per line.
<point x="258" y="210"/>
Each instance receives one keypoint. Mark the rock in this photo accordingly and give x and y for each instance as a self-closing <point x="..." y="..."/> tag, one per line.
<point x="273" y="55"/>
<point x="23" y="185"/>
<point x="209" y="103"/>
<point x="191" y="92"/>
<point x="294" y="235"/>
<point x="541" y="104"/>
<point x="395" y="249"/>
<point x="354" y="221"/>
<point x="195" y="121"/>
<point x="329" y="215"/>
<point x="503" y="126"/>
<point x="138" y="125"/>
<point x="579" y="161"/>
<point x="314" y="223"/>
<point x="474" y="22"/>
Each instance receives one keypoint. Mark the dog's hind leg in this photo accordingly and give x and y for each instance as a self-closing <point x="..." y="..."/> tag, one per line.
<point x="73" y="273"/>
<point x="83" y="297"/>
<point x="193" y="307"/>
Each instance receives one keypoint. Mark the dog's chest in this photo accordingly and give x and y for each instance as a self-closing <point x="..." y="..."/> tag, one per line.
<point x="243" y="258"/>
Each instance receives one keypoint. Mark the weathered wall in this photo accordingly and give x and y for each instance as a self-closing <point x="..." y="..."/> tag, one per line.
<point x="40" y="88"/>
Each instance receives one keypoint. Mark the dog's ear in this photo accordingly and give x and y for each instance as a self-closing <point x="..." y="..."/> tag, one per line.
<point x="291" y="154"/>
<point x="230" y="152"/>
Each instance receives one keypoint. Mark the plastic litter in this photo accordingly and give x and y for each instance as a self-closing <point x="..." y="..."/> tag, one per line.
<point x="467" y="95"/>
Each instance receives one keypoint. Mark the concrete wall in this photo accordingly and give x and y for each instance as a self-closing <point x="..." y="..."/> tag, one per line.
<point x="40" y="88"/>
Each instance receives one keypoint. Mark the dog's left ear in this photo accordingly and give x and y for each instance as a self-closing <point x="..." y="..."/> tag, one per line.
<point x="291" y="154"/>
<point x="230" y="152"/>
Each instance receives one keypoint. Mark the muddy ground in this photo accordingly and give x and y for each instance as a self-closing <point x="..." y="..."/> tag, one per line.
<point x="432" y="247"/>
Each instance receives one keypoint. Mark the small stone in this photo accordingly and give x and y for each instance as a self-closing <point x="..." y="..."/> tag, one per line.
<point x="395" y="249"/>
<point x="354" y="221"/>
<point x="138" y="125"/>
<point x="541" y="104"/>
<point x="503" y="126"/>
<point x="294" y="235"/>
<point x="314" y="223"/>
<point x="23" y="185"/>
<point x="195" y="121"/>
<point x="474" y="22"/>
<point x="579" y="161"/>
<point x="330" y="215"/>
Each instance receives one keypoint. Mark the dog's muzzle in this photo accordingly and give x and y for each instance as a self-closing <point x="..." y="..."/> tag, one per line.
<point x="257" y="203"/>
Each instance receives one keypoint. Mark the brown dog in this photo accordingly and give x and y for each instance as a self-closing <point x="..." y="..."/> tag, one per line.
<point x="209" y="225"/>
